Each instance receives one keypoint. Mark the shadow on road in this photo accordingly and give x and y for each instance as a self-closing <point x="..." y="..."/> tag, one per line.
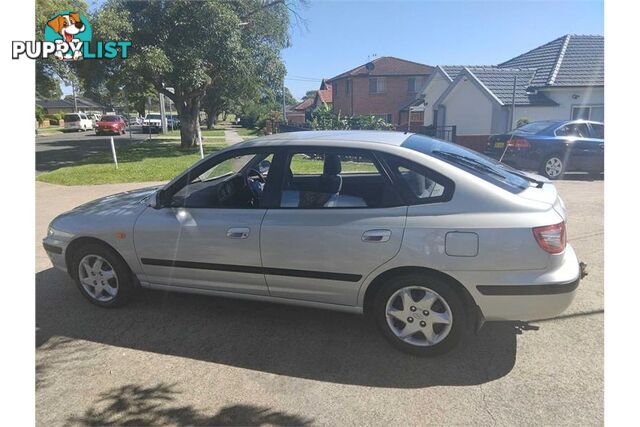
<point x="134" y="404"/>
<point x="298" y="342"/>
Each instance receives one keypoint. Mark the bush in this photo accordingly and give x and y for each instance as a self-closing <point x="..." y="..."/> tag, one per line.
<point x="39" y="114"/>
<point x="325" y="119"/>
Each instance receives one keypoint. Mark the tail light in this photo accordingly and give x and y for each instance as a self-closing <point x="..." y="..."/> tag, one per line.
<point x="519" y="143"/>
<point x="551" y="238"/>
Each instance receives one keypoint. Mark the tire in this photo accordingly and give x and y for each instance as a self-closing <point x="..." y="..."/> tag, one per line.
<point x="122" y="280"/>
<point x="553" y="166"/>
<point x="446" y="305"/>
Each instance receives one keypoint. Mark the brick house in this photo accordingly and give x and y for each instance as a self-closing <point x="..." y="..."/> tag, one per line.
<point x="382" y="87"/>
<point x="301" y="112"/>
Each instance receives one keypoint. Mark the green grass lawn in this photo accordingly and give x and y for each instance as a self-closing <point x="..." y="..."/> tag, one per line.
<point x="205" y="133"/>
<point x="247" y="132"/>
<point x="149" y="161"/>
<point x="50" y="130"/>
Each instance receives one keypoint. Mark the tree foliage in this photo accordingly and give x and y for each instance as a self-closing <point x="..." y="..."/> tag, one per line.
<point x="187" y="49"/>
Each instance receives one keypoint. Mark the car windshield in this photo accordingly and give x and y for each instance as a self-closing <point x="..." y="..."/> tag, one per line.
<point x="477" y="164"/>
<point x="536" y="127"/>
<point x="110" y="119"/>
<point x="153" y="116"/>
<point x="71" y="118"/>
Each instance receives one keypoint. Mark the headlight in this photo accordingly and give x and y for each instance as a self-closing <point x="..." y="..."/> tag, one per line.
<point x="54" y="233"/>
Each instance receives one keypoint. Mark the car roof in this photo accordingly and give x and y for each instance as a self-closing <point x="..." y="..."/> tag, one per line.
<point x="343" y="137"/>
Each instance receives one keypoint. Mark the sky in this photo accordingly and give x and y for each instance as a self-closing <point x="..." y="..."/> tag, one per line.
<point x="341" y="35"/>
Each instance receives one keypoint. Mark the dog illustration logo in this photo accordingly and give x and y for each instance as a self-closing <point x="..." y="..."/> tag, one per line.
<point x="70" y="28"/>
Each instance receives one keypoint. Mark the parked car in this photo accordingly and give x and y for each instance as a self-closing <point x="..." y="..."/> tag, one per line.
<point x="151" y="123"/>
<point x="426" y="237"/>
<point x="111" y="124"/>
<point x="77" y="122"/>
<point x="173" y="122"/>
<point x="552" y="147"/>
<point x="95" y="118"/>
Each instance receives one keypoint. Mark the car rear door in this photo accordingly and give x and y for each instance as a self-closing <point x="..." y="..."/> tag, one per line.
<point x="336" y="223"/>
<point x="583" y="149"/>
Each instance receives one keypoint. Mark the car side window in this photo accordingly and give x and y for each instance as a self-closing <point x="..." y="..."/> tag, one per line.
<point x="579" y="130"/>
<point x="419" y="184"/>
<point x="597" y="131"/>
<point x="335" y="178"/>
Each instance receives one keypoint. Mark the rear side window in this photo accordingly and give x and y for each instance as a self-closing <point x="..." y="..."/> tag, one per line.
<point x="419" y="184"/>
<point x="578" y="130"/>
<point x="470" y="161"/>
<point x="597" y="131"/>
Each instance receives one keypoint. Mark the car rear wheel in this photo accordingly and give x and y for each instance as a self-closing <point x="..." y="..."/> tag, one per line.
<point x="421" y="315"/>
<point x="553" y="166"/>
<point x="102" y="276"/>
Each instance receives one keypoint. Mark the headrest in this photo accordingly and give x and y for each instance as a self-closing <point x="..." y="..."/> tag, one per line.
<point x="332" y="165"/>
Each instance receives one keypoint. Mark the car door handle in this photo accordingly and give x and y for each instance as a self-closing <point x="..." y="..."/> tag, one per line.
<point x="376" y="236"/>
<point x="601" y="146"/>
<point x="238" y="233"/>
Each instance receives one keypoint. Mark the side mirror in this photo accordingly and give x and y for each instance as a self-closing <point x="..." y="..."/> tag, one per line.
<point x="157" y="199"/>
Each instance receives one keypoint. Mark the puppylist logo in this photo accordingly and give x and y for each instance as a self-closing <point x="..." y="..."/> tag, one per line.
<point x="67" y="36"/>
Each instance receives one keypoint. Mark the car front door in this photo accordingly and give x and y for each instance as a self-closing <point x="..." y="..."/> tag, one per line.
<point x="339" y="218"/>
<point x="205" y="239"/>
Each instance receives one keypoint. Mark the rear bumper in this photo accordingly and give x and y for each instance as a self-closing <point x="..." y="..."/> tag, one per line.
<point x="528" y="294"/>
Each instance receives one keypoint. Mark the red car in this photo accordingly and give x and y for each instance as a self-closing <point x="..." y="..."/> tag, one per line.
<point x="111" y="124"/>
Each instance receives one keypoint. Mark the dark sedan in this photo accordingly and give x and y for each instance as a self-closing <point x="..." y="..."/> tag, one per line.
<point x="552" y="147"/>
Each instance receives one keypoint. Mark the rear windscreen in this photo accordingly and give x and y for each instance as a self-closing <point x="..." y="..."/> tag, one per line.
<point x="471" y="161"/>
<point x="71" y="118"/>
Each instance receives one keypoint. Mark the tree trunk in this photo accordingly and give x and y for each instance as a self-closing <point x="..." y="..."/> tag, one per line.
<point x="189" y="111"/>
<point x="211" y="119"/>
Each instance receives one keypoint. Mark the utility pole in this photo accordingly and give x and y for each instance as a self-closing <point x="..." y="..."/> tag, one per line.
<point x="75" y="99"/>
<point x="163" y="116"/>
<point x="513" y="102"/>
<point x="284" y="103"/>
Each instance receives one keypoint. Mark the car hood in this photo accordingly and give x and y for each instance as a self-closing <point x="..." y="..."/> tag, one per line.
<point x="117" y="203"/>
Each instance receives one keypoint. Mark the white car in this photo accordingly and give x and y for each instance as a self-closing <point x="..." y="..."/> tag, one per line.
<point x="77" y="122"/>
<point x="151" y="123"/>
<point x="427" y="238"/>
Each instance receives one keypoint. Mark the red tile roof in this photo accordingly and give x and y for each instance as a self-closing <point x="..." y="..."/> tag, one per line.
<point x="304" y="104"/>
<point x="326" y="95"/>
<point x="385" y="66"/>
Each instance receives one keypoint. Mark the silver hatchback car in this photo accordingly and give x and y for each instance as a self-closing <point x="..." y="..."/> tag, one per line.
<point x="425" y="237"/>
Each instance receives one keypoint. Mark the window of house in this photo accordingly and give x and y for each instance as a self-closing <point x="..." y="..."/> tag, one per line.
<point x="377" y="85"/>
<point x="414" y="84"/>
<point x="588" y="112"/>
<point x="337" y="178"/>
<point x="334" y="89"/>
<point x="347" y="87"/>
<point x="386" y="117"/>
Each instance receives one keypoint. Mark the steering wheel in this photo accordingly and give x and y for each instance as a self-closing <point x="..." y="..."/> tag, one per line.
<point x="250" y="182"/>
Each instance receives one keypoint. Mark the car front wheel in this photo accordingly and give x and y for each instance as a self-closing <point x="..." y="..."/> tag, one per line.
<point x="553" y="166"/>
<point x="102" y="276"/>
<point x="421" y="315"/>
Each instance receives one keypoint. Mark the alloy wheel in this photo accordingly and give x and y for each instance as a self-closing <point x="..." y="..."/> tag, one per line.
<point x="98" y="278"/>
<point x="419" y="316"/>
<point x="553" y="167"/>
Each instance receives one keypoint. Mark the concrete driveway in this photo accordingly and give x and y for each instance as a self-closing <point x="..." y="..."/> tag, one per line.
<point x="192" y="360"/>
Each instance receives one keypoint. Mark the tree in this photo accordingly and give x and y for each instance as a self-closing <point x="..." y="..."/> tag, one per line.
<point x="192" y="47"/>
<point x="309" y="95"/>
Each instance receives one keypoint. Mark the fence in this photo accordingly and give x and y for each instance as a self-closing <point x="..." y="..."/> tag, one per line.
<point x="447" y="133"/>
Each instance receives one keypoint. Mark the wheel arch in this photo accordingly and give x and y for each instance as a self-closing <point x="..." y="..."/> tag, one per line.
<point x="379" y="281"/>
<point x="79" y="242"/>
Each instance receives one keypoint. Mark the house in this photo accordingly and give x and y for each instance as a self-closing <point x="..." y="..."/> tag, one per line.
<point x="53" y="106"/>
<point x="562" y="79"/>
<point x="302" y="112"/>
<point x="383" y="87"/>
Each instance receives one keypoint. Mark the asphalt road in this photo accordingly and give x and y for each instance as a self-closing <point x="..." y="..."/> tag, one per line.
<point x="192" y="360"/>
<point x="65" y="149"/>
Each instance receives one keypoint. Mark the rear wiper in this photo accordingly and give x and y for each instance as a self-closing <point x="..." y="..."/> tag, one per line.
<point x="470" y="162"/>
<point x="522" y="175"/>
